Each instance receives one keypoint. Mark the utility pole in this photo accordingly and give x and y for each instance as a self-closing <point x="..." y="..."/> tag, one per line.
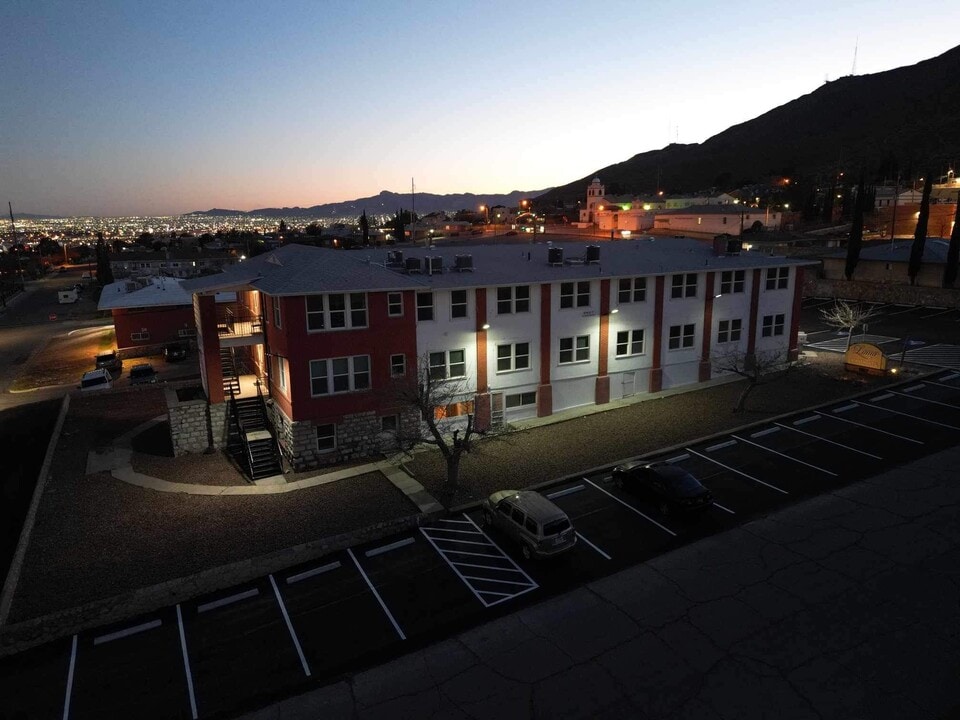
<point x="13" y="227"/>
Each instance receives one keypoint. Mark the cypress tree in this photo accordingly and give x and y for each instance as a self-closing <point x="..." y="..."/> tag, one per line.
<point x="365" y="228"/>
<point x="953" y="252"/>
<point x="920" y="235"/>
<point x="856" y="232"/>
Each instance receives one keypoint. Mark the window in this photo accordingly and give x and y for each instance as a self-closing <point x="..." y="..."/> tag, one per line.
<point x="681" y="336"/>
<point x="513" y="357"/>
<point x="513" y="299"/>
<point x="684" y="285"/>
<point x="424" y="306"/>
<point x="395" y="304"/>
<point x="398" y="365"/>
<point x="389" y="423"/>
<point x="339" y="375"/>
<point x="326" y="438"/>
<point x="729" y="331"/>
<point x="574" y="294"/>
<point x="450" y="364"/>
<point x="335" y="311"/>
<point x="520" y="400"/>
<point x="632" y="290"/>
<point x="281" y="373"/>
<point x="574" y="349"/>
<point x="144" y="334"/>
<point x="772" y="325"/>
<point x="187" y="332"/>
<point x="458" y="304"/>
<point x="629" y="342"/>
<point x="777" y="278"/>
<point x="276" y="312"/>
<point x="731" y="281"/>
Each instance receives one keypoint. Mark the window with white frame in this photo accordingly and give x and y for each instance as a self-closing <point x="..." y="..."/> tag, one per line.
<point x="336" y="311"/>
<point x="281" y="373"/>
<point x="729" y="331"/>
<point x="339" y="375"/>
<point x="515" y="356"/>
<point x="144" y="334"/>
<point x="574" y="349"/>
<point x="458" y="304"/>
<point x="276" y="312"/>
<point x="772" y="325"/>
<point x="448" y="364"/>
<point x="395" y="304"/>
<point x="629" y="342"/>
<point x="513" y="299"/>
<point x="731" y="281"/>
<point x="326" y="438"/>
<point x="398" y="365"/>
<point x="574" y="294"/>
<point x="424" y="306"/>
<point x="631" y="290"/>
<point x="518" y="400"/>
<point x="684" y="285"/>
<point x="681" y="336"/>
<point x="778" y="278"/>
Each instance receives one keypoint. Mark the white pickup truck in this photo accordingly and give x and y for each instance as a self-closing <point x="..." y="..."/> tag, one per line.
<point x="67" y="296"/>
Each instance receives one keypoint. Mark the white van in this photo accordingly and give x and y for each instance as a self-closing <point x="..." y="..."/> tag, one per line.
<point x="67" y="296"/>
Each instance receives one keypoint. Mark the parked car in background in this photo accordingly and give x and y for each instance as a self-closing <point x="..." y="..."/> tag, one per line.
<point x="671" y="487"/>
<point x="110" y="361"/>
<point x="540" y="528"/>
<point x="175" y="352"/>
<point x="96" y="380"/>
<point x="142" y="374"/>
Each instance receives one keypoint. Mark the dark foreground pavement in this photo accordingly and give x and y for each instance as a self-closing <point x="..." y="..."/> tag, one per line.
<point x="843" y="606"/>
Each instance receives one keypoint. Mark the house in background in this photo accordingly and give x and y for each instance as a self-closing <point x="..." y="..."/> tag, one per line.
<point x="170" y="263"/>
<point x="707" y="221"/>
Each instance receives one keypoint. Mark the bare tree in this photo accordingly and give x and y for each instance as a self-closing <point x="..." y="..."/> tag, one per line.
<point x="756" y="368"/>
<point x="442" y="414"/>
<point x="847" y="316"/>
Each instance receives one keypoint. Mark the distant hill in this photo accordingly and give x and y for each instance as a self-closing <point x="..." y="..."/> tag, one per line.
<point x="903" y="120"/>
<point x="386" y="203"/>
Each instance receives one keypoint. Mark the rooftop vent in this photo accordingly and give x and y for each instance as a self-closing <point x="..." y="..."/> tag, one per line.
<point x="435" y="265"/>
<point x="412" y="265"/>
<point x="463" y="263"/>
<point x="394" y="258"/>
<point x="593" y="255"/>
<point x="555" y="256"/>
<point x="727" y="245"/>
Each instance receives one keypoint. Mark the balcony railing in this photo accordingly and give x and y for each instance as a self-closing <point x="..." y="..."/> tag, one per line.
<point x="238" y="321"/>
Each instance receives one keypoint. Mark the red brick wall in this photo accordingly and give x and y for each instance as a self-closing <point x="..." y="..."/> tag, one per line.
<point x="162" y="323"/>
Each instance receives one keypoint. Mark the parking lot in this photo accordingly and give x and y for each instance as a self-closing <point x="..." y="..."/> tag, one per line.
<point x="222" y="653"/>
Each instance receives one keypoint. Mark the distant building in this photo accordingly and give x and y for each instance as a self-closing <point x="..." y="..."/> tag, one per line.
<point x="710" y="220"/>
<point x="170" y="263"/>
<point x="886" y="262"/>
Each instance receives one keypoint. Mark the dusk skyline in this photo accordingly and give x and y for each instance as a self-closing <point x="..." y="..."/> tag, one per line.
<point x="158" y="109"/>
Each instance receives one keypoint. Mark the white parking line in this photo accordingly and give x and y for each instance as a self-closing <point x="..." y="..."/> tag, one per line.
<point x="725" y="509"/>
<point x="804" y="421"/>
<point x="631" y="507"/>
<point x="909" y="309"/>
<point x="915" y="417"/>
<point x="387" y="548"/>
<point x="932" y="402"/>
<point x="601" y="552"/>
<point x="940" y="384"/>
<point x="69" y="692"/>
<point x="186" y="664"/>
<point x="567" y="491"/>
<point x="832" y="442"/>
<point x="293" y="633"/>
<point x="678" y="458"/>
<point x="944" y="311"/>
<point x="869" y="427"/>
<point x="229" y="600"/>
<point x="951" y="376"/>
<point x="126" y="632"/>
<point x="311" y="573"/>
<point x="377" y="595"/>
<point x="720" y="446"/>
<point x="784" y="455"/>
<point x="455" y="522"/>
<point x="738" y="472"/>
<point x="768" y="431"/>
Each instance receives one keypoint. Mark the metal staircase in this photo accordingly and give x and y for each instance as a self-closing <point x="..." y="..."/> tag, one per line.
<point x="251" y="440"/>
<point x="231" y="378"/>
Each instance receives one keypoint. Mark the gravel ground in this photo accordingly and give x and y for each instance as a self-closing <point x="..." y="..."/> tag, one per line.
<point x="153" y="455"/>
<point x="531" y="456"/>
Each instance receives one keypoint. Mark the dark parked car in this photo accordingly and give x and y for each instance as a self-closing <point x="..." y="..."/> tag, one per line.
<point x="110" y="361"/>
<point x="175" y="353"/>
<point x="670" y="486"/>
<point x="142" y="374"/>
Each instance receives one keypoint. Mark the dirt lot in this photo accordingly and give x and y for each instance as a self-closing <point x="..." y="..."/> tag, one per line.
<point x="64" y="359"/>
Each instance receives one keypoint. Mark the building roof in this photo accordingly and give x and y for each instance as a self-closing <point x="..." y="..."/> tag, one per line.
<point x="159" y="292"/>
<point x="934" y="251"/>
<point x="300" y="269"/>
<point x="728" y="209"/>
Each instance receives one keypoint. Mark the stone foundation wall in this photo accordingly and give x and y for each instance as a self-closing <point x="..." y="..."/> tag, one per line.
<point x="189" y="428"/>
<point x="219" y="414"/>
<point x="882" y="292"/>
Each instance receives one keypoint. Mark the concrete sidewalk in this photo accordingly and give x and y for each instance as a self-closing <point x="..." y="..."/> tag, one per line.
<point x="844" y="606"/>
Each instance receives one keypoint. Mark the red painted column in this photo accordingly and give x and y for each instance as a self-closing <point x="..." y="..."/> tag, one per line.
<point x="705" y="365"/>
<point x="208" y="340"/>
<point x="545" y="389"/>
<point x="794" y="352"/>
<point x="602" y="392"/>
<point x="754" y="309"/>
<point x="656" y="370"/>
<point x="481" y="408"/>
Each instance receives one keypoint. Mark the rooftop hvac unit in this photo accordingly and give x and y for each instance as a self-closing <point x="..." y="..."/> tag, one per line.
<point x="555" y="256"/>
<point x="593" y="254"/>
<point x="463" y="263"/>
<point x="412" y="265"/>
<point x="734" y="246"/>
<point x="435" y="265"/>
<point x="395" y="257"/>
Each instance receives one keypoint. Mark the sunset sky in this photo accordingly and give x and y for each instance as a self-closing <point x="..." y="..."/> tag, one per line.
<point x="117" y="108"/>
